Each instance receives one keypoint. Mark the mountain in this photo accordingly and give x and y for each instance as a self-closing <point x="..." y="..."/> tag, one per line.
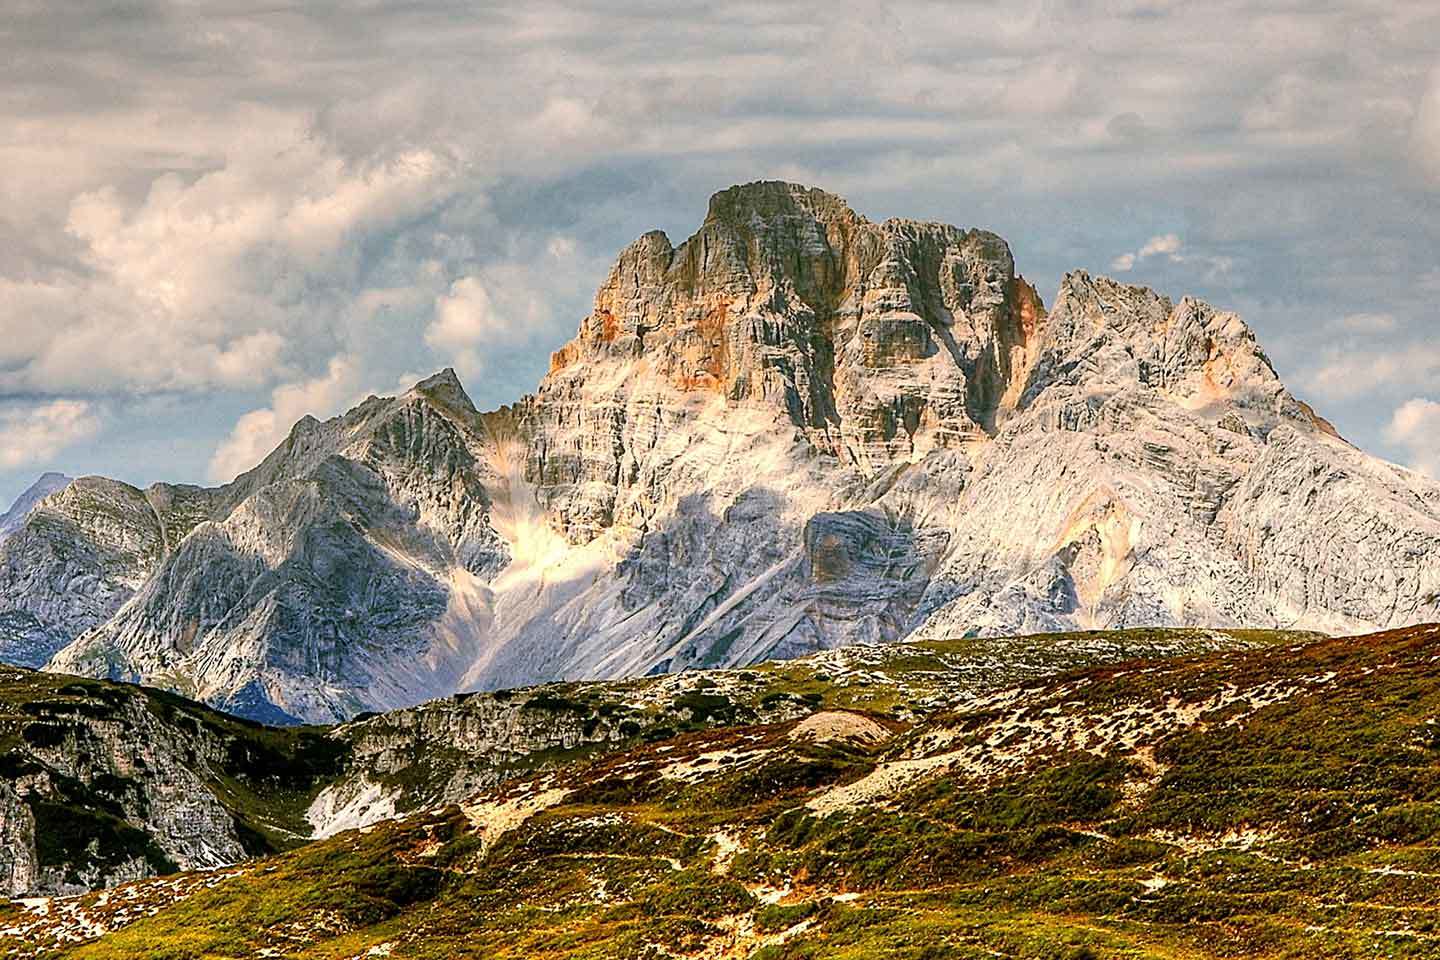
<point x="1272" y="802"/>
<point x="22" y="639"/>
<point x="12" y="519"/>
<point x="342" y="573"/>
<point x="796" y="430"/>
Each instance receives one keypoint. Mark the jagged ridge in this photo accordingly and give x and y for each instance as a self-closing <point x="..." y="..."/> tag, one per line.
<point x="797" y="429"/>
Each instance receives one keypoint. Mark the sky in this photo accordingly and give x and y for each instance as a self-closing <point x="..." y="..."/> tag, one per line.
<point x="216" y="217"/>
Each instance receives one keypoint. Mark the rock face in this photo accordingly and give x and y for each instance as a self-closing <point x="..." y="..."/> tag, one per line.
<point x="336" y="576"/>
<point x="446" y="751"/>
<point x="23" y="639"/>
<point x="1256" y="803"/>
<point x="12" y="519"/>
<point x="75" y="558"/>
<point x="795" y="430"/>
<point x="104" y="783"/>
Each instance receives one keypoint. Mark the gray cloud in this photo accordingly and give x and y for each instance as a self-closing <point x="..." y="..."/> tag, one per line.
<point x="215" y="215"/>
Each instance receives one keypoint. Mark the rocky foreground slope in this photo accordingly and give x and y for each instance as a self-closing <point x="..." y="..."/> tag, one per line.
<point x="102" y="783"/>
<point x="1275" y="802"/>
<point x="796" y="430"/>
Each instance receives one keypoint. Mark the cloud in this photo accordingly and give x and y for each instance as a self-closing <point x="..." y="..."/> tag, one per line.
<point x="35" y="433"/>
<point x="211" y="277"/>
<point x="1366" y="323"/>
<point x="206" y="203"/>
<point x="1170" y="247"/>
<point x="1042" y="88"/>
<point x="260" y="431"/>
<point x="1415" y="428"/>
<point x="465" y="319"/>
<point x="478" y="314"/>
<point x="1425" y="131"/>
<point x="1358" y="369"/>
<point x="1167" y="245"/>
<point x="561" y="247"/>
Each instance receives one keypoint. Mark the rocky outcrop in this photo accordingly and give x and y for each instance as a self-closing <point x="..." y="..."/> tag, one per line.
<point x="1222" y="804"/>
<point x="795" y="430"/>
<point x="104" y="783"/>
<point x="446" y="751"/>
<point x="12" y="519"/>
<point x="999" y="467"/>
<point x="876" y="342"/>
<point x="450" y="749"/>
<point x="76" y="558"/>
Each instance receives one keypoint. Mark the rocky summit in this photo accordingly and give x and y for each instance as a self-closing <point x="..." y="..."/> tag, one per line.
<point x="796" y="430"/>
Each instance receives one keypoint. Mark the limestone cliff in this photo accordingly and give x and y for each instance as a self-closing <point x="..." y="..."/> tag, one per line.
<point x="795" y="430"/>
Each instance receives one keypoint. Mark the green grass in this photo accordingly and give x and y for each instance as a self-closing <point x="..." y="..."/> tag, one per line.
<point x="1304" y="828"/>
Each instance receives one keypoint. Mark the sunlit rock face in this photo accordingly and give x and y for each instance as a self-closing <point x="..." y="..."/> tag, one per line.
<point x="796" y="429"/>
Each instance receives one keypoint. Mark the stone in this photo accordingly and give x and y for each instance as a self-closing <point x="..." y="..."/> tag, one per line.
<point x="798" y="429"/>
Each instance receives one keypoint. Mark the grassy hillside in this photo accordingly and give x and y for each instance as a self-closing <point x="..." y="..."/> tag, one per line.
<point x="1277" y="802"/>
<point x="101" y="782"/>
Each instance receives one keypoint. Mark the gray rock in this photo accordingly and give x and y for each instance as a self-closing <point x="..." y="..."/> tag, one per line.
<point x="105" y="783"/>
<point x="12" y="519"/>
<point x="796" y="430"/>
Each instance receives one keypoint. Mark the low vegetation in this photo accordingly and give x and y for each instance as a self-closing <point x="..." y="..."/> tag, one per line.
<point x="1279" y="802"/>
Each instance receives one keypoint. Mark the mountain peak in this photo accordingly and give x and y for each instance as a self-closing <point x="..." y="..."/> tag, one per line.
<point x="445" y="390"/>
<point x="48" y="483"/>
<point x="771" y="198"/>
<point x="446" y="379"/>
<point x="796" y="429"/>
<point x="876" y="340"/>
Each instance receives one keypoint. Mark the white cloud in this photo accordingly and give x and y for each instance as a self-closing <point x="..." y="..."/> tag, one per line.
<point x="31" y="434"/>
<point x="1168" y="245"/>
<point x="465" y="321"/>
<point x="1366" y="323"/>
<point x="225" y="279"/>
<point x="1415" y="428"/>
<point x="259" y="431"/>
<point x="479" y="313"/>
<point x="1043" y="88"/>
<point x="1355" y="370"/>
<point x="213" y="201"/>
<point x="1172" y="248"/>
<point x="561" y="247"/>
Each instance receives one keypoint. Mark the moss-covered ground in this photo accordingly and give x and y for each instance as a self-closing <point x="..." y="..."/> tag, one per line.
<point x="1282" y="802"/>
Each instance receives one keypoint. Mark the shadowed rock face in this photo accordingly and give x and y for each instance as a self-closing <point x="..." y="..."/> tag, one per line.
<point x="311" y="587"/>
<point x="796" y="429"/>
<point x="105" y="783"/>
